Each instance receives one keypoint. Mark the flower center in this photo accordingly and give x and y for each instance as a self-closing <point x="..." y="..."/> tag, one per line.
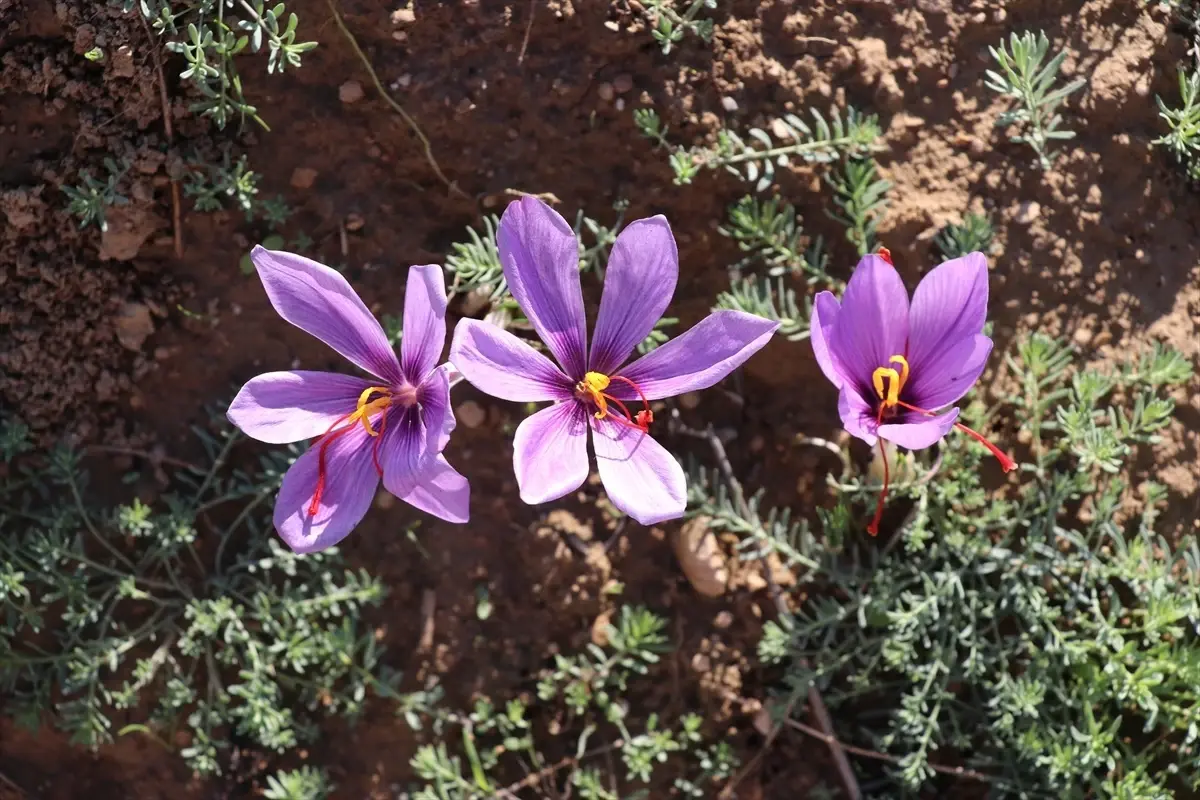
<point x="591" y="389"/>
<point x="368" y="405"/>
<point x="888" y="382"/>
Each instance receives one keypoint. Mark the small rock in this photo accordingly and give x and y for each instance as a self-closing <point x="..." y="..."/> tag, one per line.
<point x="303" y="177"/>
<point x="404" y="16"/>
<point x="134" y="326"/>
<point x="723" y="620"/>
<point x="701" y="558"/>
<point x="122" y="62"/>
<point x="470" y="414"/>
<point x="729" y="104"/>
<point x="623" y="83"/>
<point x="351" y="92"/>
<point x="400" y="36"/>
<point x="1028" y="212"/>
<point x="355" y="222"/>
<point x="600" y="629"/>
<point x="384" y="500"/>
<point x="1082" y="336"/>
<point x="612" y="25"/>
<point x="690" y="401"/>
<point x="404" y="81"/>
<point x="606" y="92"/>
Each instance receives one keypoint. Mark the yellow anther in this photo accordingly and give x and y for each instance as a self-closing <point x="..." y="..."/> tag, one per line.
<point x="367" y="407"/>
<point x="889" y="393"/>
<point x="903" y="362"/>
<point x="596" y="381"/>
<point x="594" y="384"/>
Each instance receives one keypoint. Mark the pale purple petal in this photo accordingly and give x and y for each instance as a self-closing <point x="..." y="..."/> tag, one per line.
<point x="283" y="407"/>
<point x="946" y="379"/>
<point x="640" y="476"/>
<point x="712" y="349"/>
<point x="858" y="417"/>
<point x="444" y="493"/>
<point x="540" y="257"/>
<point x="424" y="322"/>
<point x="404" y="451"/>
<point x="349" y="487"/>
<point x="824" y="316"/>
<point x="550" y="452"/>
<point x="873" y="323"/>
<point x="948" y="307"/>
<point x="319" y="301"/>
<point x="921" y="432"/>
<point x="434" y="396"/>
<point x="638" y="285"/>
<point x="496" y="362"/>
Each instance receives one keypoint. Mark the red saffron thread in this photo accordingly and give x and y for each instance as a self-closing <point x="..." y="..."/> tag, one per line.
<point x="644" y="417"/>
<point x="1006" y="463"/>
<point x="885" y="254"/>
<point x="323" y="443"/>
<point x="873" y="528"/>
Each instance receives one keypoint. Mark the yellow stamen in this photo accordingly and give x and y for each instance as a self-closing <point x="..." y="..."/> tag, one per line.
<point x="594" y="384"/>
<point x="890" y="393"/>
<point x="367" y="407"/>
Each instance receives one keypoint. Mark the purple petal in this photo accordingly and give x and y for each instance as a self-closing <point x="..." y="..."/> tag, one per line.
<point x="712" y="349"/>
<point x="640" y="476"/>
<point x="403" y="449"/>
<point x="444" y="493"/>
<point x="824" y="316"/>
<point x="496" y="362"/>
<point x="858" y="417"/>
<point x="434" y="396"/>
<point x="349" y="487"/>
<point x="283" y="407"/>
<point x="424" y="322"/>
<point x="319" y="301"/>
<point x="873" y="323"/>
<point x="638" y="285"/>
<point x="540" y="256"/>
<point x="920" y="434"/>
<point x="946" y="379"/>
<point x="550" y="452"/>
<point x="948" y="307"/>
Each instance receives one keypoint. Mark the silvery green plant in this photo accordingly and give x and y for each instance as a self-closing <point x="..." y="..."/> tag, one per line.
<point x="668" y="26"/>
<point x="1026" y="76"/>
<point x="209" y="34"/>
<point x="755" y="156"/>
<point x="495" y="750"/>
<point x="861" y="199"/>
<point x="186" y="613"/>
<point x="1044" y="638"/>
<point x="91" y="199"/>
<point x="770" y="233"/>
<point x="1183" y="123"/>
<point x="974" y="233"/>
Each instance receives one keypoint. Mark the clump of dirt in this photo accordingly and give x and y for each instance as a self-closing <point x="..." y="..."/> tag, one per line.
<point x="79" y="307"/>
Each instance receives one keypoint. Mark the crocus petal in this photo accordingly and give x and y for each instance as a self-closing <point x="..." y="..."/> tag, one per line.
<point x="873" y="323"/>
<point x="922" y="432"/>
<point x="945" y="380"/>
<point x="444" y="493"/>
<point x="319" y="301"/>
<point x="550" y="452"/>
<point x="283" y="407"/>
<point x="824" y="314"/>
<point x="424" y="322"/>
<point x="496" y="362"/>
<point x="540" y="257"/>
<point x="638" y="285"/>
<point x="712" y="349"/>
<point x="639" y="475"/>
<point x="858" y="418"/>
<point x="434" y="396"/>
<point x="346" y="495"/>
<point x="948" y="307"/>
<point x="404" y="450"/>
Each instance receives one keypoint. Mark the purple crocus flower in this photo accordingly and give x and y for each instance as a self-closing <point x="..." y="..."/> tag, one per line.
<point x="591" y="389"/>
<point x="895" y="364"/>
<point x="393" y="425"/>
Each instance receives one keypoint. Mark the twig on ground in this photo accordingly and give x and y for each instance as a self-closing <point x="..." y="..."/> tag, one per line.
<point x="846" y="773"/>
<point x="399" y="109"/>
<point x="9" y="782"/>
<point x="528" y="30"/>
<point x="176" y="214"/>
<point x="958" y="772"/>
<point x="570" y="761"/>
<point x="155" y="459"/>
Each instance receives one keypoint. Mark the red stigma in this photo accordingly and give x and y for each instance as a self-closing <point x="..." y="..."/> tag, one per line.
<point x="323" y="443"/>
<point x="885" y="254"/>
<point x="1006" y="463"/>
<point x="640" y="421"/>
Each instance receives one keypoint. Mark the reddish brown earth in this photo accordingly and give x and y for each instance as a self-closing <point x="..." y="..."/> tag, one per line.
<point x="1103" y="250"/>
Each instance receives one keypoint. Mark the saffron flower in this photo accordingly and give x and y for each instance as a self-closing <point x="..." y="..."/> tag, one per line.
<point x="595" y="389"/>
<point x="898" y="365"/>
<point x="392" y="426"/>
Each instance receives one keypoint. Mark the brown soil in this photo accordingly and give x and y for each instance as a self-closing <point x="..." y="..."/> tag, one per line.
<point x="1104" y="250"/>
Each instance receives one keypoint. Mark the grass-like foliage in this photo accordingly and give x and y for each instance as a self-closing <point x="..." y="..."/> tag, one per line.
<point x="91" y="199"/>
<point x="188" y="610"/>
<point x="1183" y="123"/>
<point x="209" y="34"/>
<point x="570" y="742"/>
<point x="974" y="233"/>
<point x="861" y="199"/>
<point x="1026" y="76"/>
<point x="1044" y="638"/>
<point x="755" y="156"/>
<point x="668" y="25"/>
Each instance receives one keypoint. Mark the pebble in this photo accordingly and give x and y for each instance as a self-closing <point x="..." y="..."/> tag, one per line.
<point x="700" y="558"/>
<point x="1082" y="336"/>
<point x="400" y="36"/>
<point x="723" y="620"/>
<point x="404" y="80"/>
<point x="351" y="92"/>
<point x="690" y="400"/>
<point x="134" y="326"/>
<point x="606" y="92"/>
<point x="623" y="83"/>
<point x="470" y="414"/>
<point x="122" y="62"/>
<point x="303" y="177"/>
<point x="729" y="104"/>
<point x="355" y="222"/>
<point x="403" y="16"/>
<point x="1028" y="212"/>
